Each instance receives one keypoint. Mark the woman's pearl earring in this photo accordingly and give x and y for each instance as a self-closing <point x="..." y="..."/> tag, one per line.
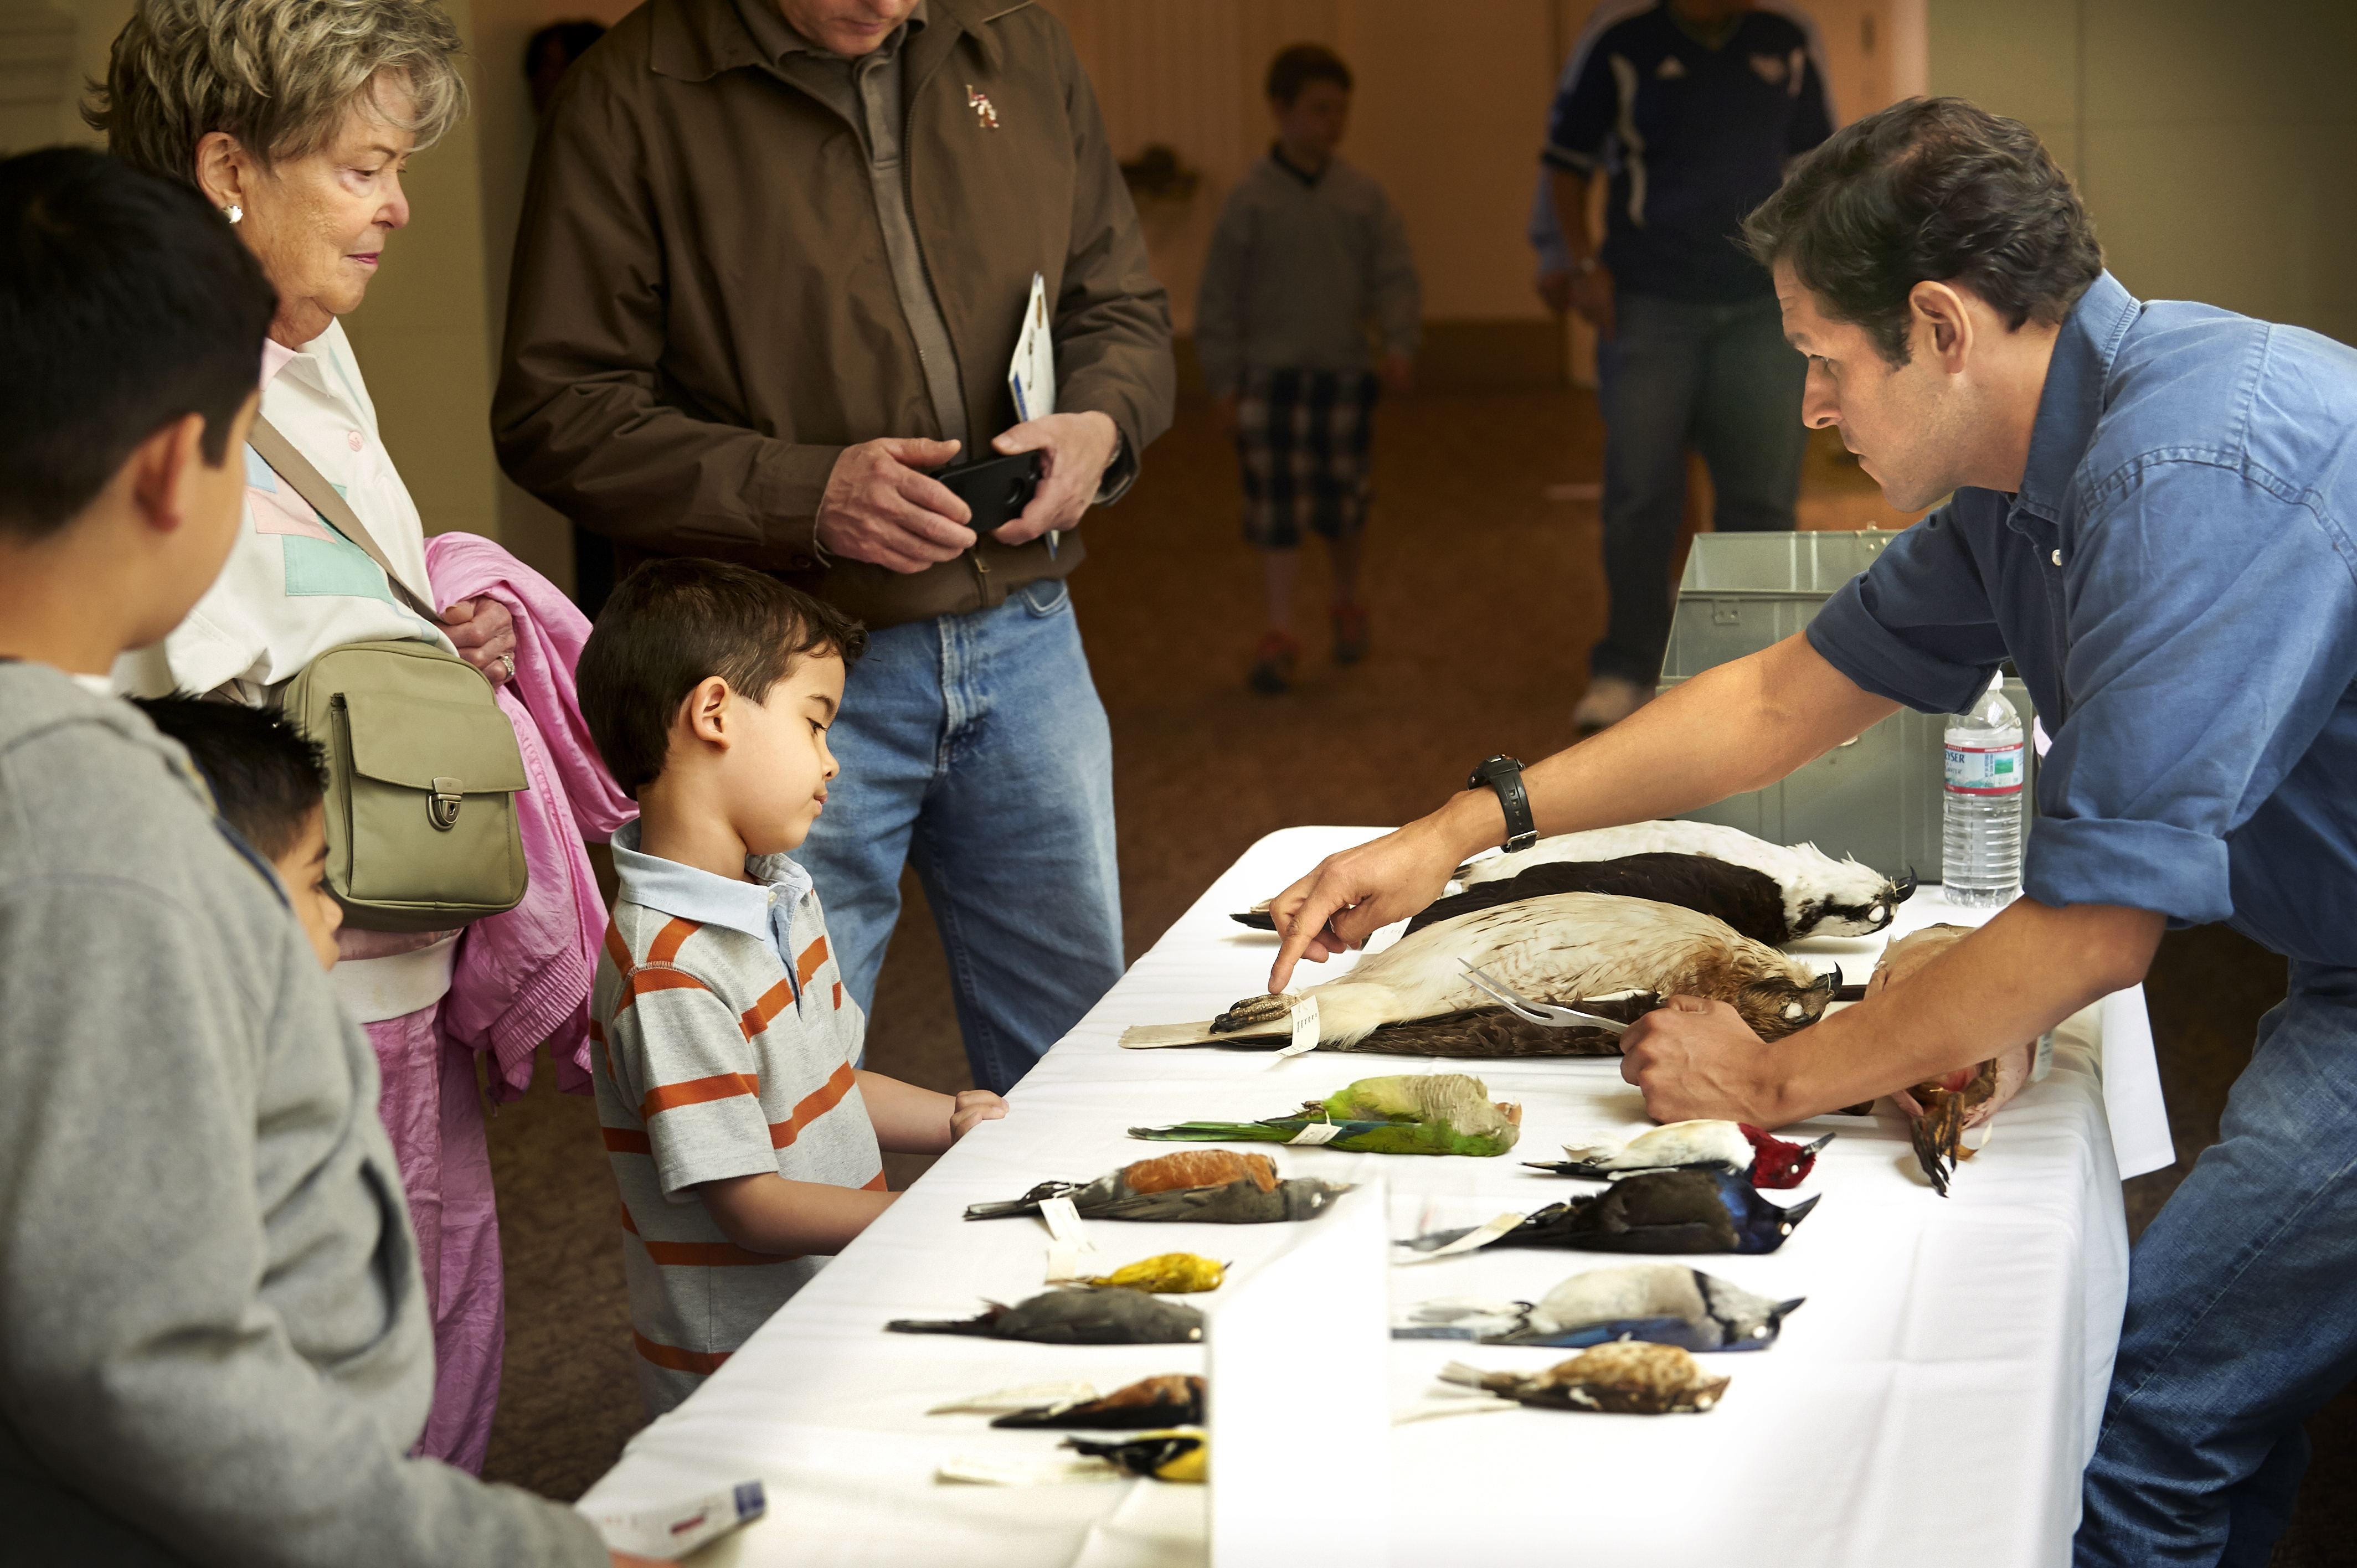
<point x="233" y="212"/>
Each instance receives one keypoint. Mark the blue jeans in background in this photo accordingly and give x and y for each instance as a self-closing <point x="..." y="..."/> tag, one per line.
<point x="1676" y="374"/>
<point x="2242" y="1315"/>
<point x="974" y="748"/>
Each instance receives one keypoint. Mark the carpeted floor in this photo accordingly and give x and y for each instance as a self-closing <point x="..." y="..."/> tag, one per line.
<point x="1485" y="597"/>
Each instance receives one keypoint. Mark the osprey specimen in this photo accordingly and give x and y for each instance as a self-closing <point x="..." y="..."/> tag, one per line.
<point x="1598" y="952"/>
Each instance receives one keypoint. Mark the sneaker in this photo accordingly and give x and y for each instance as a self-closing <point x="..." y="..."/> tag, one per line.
<point x="1607" y="701"/>
<point x="1273" y="662"/>
<point x="1350" y="633"/>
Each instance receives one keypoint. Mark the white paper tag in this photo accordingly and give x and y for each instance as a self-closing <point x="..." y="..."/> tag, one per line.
<point x="1316" y="1132"/>
<point x="1029" y="1396"/>
<point x="1063" y="1262"/>
<point x="1470" y="1240"/>
<point x="2041" y="1060"/>
<point x="1064" y="1223"/>
<point x="680" y="1529"/>
<point x="1305" y="1029"/>
<point x="1031" y="374"/>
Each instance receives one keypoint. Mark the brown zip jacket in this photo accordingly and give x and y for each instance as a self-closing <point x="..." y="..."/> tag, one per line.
<point x="703" y="316"/>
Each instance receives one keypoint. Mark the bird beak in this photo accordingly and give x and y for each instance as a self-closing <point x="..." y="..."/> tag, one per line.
<point x="1776" y="1313"/>
<point x="1904" y="888"/>
<point x="1829" y="981"/>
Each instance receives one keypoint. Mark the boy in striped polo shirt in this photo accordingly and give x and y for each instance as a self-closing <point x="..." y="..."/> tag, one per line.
<point x="746" y="1142"/>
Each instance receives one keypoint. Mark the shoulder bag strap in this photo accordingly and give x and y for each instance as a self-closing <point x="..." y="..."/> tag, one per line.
<point x="314" y="488"/>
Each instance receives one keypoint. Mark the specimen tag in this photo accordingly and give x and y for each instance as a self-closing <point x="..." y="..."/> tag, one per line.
<point x="1316" y="1132"/>
<point x="2041" y="1060"/>
<point x="1305" y="1029"/>
<point x="1063" y="1262"/>
<point x="1471" y="1240"/>
<point x="1064" y="1222"/>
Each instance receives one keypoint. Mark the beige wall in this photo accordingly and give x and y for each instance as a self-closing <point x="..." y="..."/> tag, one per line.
<point x="2213" y="141"/>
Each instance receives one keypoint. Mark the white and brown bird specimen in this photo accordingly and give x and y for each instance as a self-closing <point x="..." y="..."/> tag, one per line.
<point x="1593" y="950"/>
<point x="1822" y="897"/>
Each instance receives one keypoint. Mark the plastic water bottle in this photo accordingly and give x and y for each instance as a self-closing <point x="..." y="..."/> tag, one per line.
<point x="1980" y="861"/>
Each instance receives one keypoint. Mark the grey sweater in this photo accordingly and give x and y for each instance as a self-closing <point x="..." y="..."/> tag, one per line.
<point x="212" y="1330"/>
<point x="1299" y="270"/>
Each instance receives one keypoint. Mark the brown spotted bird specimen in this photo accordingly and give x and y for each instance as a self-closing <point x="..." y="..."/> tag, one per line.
<point x="1172" y="1400"/>
<point x="1210" y="1186"/>
<point x="1942" y="1110"/>
<point x="1626" y="1378"/>
<point x="1596" y="951"/>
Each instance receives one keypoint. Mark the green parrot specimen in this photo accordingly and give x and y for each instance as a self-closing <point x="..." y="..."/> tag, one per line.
<point x="1407" y="1113"/>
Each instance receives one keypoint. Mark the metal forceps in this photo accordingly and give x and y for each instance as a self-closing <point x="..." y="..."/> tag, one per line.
<point x="1545" y="1014"/>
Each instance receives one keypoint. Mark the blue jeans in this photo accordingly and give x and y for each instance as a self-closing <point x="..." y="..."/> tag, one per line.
<point x="2242" y="1315"/>
<point x="1674" y="373"/>
<point x="973" y="748"/>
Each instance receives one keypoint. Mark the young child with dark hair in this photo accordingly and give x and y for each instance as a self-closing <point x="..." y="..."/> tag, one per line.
<point x="268" y="784"/>
<point x="747" y="1143"/>
<point x="1308" y="273"/>
<point x="214" y="1345"/>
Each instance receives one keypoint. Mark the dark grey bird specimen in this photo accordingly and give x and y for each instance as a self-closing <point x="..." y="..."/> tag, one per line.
<point x="1171" y="1399"/>
<point x="1073" y="1317"/>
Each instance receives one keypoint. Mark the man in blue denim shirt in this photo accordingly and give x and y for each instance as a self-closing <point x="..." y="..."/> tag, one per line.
<point x="2150" y="518"/>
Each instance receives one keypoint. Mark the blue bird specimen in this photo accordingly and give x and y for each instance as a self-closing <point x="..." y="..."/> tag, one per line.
<point x="1210" y="1186"/>
<point x="1073" y="1317"/>
<point x="1661" y="1211"/>
<point x="1661" y="1304"/>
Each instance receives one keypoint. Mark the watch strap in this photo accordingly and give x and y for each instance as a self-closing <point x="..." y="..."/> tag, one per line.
<point x="1504" y="775"/>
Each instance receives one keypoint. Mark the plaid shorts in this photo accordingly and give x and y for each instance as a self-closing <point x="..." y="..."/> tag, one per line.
<point x="1302" y="438"/>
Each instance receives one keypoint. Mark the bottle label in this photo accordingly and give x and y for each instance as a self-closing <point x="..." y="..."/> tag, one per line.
<point x="1985" y="769"/>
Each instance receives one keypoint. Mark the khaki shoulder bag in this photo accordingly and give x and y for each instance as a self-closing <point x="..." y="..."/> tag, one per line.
<point x="421" y="765"/>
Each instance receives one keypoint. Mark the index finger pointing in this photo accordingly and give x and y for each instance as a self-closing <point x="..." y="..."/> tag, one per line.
<point x="1308" y="918"/>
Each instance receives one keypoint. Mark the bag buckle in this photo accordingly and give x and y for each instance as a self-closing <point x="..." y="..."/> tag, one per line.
<point x="442" y="806"/>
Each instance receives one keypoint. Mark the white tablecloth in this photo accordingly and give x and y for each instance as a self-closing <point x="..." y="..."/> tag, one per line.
<point x="1933" y="1401"/>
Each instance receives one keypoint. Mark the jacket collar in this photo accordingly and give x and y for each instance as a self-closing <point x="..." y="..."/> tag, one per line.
<point x="695" y="40"/>
<point x="2072" y="400"/>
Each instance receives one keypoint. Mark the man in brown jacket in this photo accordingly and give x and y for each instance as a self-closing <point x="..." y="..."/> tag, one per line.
<point x="773" y="262"/>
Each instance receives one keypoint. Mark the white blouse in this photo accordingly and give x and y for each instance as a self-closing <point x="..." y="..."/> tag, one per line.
<point x="293" y="587"/>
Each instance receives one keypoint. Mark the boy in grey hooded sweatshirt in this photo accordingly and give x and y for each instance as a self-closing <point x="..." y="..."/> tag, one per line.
<point x="213" y="1347"/>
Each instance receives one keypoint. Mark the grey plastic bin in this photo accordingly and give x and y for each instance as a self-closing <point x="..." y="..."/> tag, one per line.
<point x="1876" y="797"/>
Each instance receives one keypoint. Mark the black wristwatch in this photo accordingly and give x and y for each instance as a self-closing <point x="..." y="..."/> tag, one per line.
<point x="1504" y="774"/>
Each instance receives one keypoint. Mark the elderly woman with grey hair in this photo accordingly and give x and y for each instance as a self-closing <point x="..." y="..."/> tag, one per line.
<point x="295" y="119"/>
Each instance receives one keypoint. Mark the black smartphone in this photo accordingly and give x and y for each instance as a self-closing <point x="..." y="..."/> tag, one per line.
<point x="996" y="489"/>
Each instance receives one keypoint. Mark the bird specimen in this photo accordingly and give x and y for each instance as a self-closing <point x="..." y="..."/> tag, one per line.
<point x="1940" y="1110"/>
<point x="1173" y="1400"/>
<point x="1165" y="1273"/>
<point x="1575" y="949"/>
<point x="1624" y="1378"/>
<point x="1177" y="1454"/>
<point x="1661" y="1212"/>
<point x="1750" y="901"/>
<point x="1210" y="1186"/>
<point x="1735" y="1148"/>
<point x="1073" y="1317"/>
<point x="1822" y="896"/>
<point x="1661" y="1304"/>
<point x="1415" y="1113"/>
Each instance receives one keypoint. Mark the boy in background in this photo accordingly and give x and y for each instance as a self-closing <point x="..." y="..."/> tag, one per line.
<point x="1310" y="262"/>
<point x="746" y="1142"/>
<point x="213" y="1340"/>
<point x="268" y="784"/>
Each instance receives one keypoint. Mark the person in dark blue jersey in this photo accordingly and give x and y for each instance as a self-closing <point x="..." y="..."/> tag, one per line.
<point x="1693" y="108"/>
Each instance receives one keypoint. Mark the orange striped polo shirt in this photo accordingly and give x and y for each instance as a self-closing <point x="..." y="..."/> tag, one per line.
<point x="714" y="1057"/>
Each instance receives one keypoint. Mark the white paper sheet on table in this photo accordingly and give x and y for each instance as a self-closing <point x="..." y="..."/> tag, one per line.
<point x="1950" y="1350"/>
